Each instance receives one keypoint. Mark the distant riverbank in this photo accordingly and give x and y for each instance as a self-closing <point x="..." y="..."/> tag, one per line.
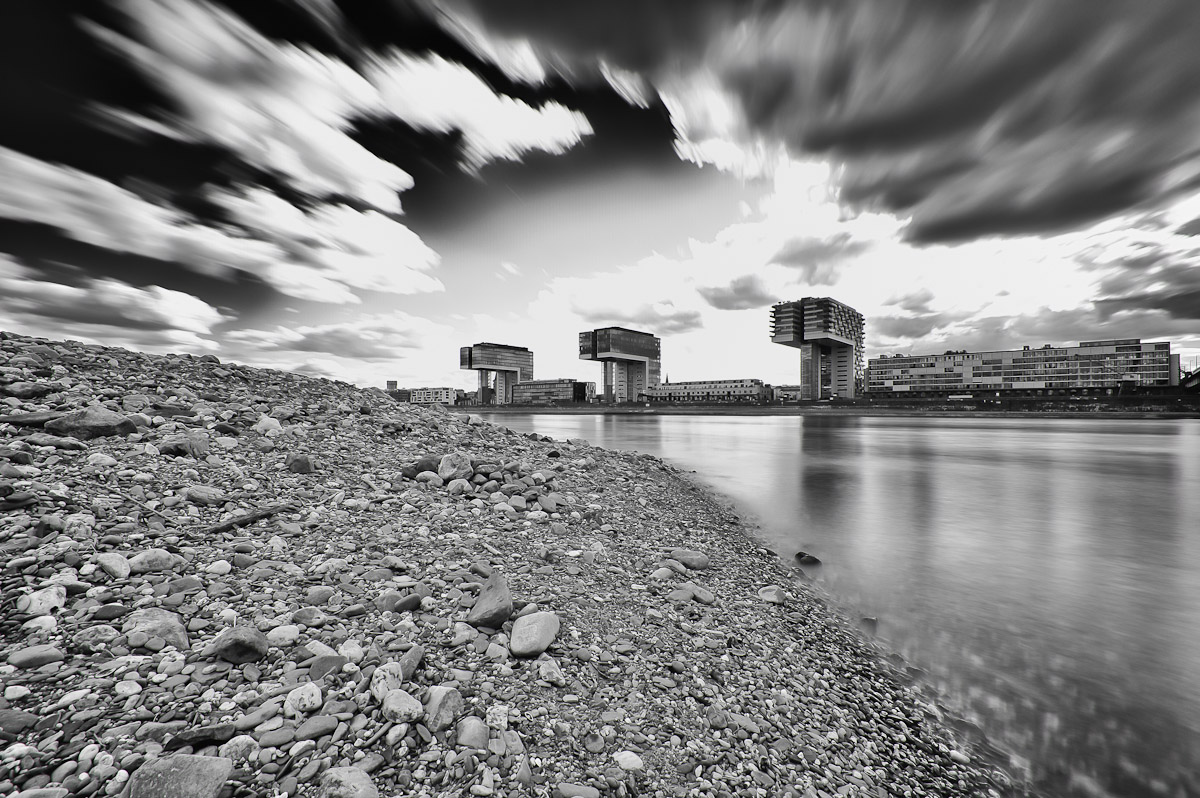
<point x="818" y="410"/>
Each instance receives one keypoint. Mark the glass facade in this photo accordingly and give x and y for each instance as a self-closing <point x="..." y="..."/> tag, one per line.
<point x="749" y="391"/>
<point x="497" y="357"/>
<point x="551" y="392"/>
<point x="830" y="337"/>
<point x="632" y="361"/>
<point x="1091" y="365"/>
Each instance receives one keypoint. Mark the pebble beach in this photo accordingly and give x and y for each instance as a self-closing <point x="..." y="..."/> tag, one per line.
<point x="219" y="580"/>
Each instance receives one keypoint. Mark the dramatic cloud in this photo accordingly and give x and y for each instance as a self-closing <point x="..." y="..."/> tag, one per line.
<point x="279" y="106"/>
<point x="105" y="309"/>
<point x="741" y="293"/>
<point x="916" y="302"/>
<point x="372" y="338"/>
<point x="818" y="260"/>
<point x="972" y="118"/>
<point x="431" y="93"/>
<point x="917" y="326"/>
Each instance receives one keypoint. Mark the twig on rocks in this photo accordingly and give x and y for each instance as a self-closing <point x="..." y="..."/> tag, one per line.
<point x="145" y="507"/>
<point x="248" y="518"/>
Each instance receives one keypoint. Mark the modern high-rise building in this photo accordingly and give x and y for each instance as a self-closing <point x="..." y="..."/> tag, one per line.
<point x="1091" y="366"/>
<point x="500" y="367"/>
<point x="632" y="361"/>
<point x="829" y="336"/>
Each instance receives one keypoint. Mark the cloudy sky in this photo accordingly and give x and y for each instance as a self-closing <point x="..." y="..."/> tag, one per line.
<point x="356" y="188"/>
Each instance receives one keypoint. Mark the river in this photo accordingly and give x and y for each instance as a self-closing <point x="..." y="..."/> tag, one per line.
<point x="1043" y="575"/>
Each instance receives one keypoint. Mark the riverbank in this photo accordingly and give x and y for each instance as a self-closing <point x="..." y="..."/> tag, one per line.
<point x="252" y="581"/>
<point x="815" y="410"/>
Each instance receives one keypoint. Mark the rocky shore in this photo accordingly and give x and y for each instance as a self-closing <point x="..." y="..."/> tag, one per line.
<point x="221" y="580"/>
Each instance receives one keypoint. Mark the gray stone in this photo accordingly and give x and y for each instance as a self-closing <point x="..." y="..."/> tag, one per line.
<point x="494" y="604"/>
<point x="443" y="705"/>
<point x="13" y="721"/>
<point x="92" y="422"/>
<point x="316" y="727"/>
<point x="456" y="465"/>
<point x="204" y="494"/>
<point x="472" y="732"/>
<point x="152" y="560"/>
<point x="399" y="706"/>
<point x="346" y="783"/>
<point x="156" y="622"/>
<point x="43" y="602"/>
<point x="696" y="560"/>
<point x="32" y="657"/>
<point x="239" y="644"/>
<point x="772" y="594"/>
<point x="193" y="443"/>
<point x="181" y="776"/>
<point x="114" y="564"/>
<point x="95" y="638"/>
<point x="566" y="789"/>
<point x="532" y="634"/>
<point x="299" y="463"/>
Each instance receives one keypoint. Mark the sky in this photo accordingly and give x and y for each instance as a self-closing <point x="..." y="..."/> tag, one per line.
<point x="357" y="188"/>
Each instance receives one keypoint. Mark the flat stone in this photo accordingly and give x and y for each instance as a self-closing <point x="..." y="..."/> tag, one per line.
<point x="696" y="560"/>
<point x="193" y="443"/>
<point x="472" y="732"/>
<point x="114" y="564"/>
<point x="565" y="789"/>
<point x="181" y="776"/>
<point x="95" y="638"/>
<point x="628" y="760"/>
<point x="46" y="601"/>
<point x="204" y="494"/>
<point x="283" y="635"/>
<point x="532" y="634"/>
<point x="399" y="706"/>
<point x="305" y="698"/>
<point x="346" y="782"/>
<point x="13" y="721"/>
<point x="152" y="560"/>
<point x="156" y="622"/>
<point x="239" y="644"/>
<point x="91" y="422"/>
<point x="772" y="594"/>
<point x="316" y="727"/>
<point x="443" y="705"/>
<point x="494" y="604"/>
<point x="32" y="657"/>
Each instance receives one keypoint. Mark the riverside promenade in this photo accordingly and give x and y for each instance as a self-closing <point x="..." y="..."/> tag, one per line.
<point x="223" y="580"/>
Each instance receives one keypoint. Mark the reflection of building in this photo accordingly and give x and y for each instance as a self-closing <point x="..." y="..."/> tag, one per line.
<point x="1093" y="365"/>
<point x="500" y="367"/>
<point x="829" y="336"/>
<point x="711" y="391"/>
<point x="553" y="392"/>
<point x="632" y="361"/>
<point x="428" y="396"/>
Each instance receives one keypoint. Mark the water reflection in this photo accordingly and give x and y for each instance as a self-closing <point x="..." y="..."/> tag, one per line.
<point x="1045" y="573"/>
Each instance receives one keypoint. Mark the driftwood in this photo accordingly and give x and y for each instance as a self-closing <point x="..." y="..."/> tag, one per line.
<point x="248" y="518"/>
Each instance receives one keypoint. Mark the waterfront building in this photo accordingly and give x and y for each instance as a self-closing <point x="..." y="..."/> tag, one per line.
<point x="500" y="367"/>
<point x="711" y="391"/>
<point x="786" y="393"/>
<point x="829" y="335"/>
<point x="553" y="392"/>
<point x="393" y="385"/>
<point x="631" y="361"/>
<point x="1092" y="366"/>
<point x="400" y="394"/>
<point x="429" y="396"/>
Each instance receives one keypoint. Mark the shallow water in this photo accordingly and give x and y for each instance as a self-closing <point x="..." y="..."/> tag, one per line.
<point x="1043" y="573"/>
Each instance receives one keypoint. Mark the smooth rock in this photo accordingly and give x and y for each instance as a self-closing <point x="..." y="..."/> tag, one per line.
<point x="399" y="706"/>
<point x="181" y="776"/>
<point x="43" y="602"/>
<point x="239" y="644"/>
<point x="442" y="707"/>
<point x="346" y="782"/>
<point x="772" y="594"/>
<point x="455" y="465"/>
<point x="95" y="638"/>
<point x="92" y="422"/>
<point x="628" y="760"/>
<point x="696" y="560"/>
<point x="304" y="699"/>
<point x="193" y="443"/>
<point x="32" y="657"/>
<point x="532" y="634"/>
<point x="387" y="677"/>
<point x="494" y="604"/>
<point x="204" y="494"/>
<point x="114" y="564"/>
<point x="157" y="622"/>
<point x="152" y="560"/>
<point x="472" y="732"/>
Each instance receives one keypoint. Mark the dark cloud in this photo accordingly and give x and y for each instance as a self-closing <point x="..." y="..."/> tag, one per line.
<point x="973" y="118"/>
<point x="743" y="292"/>
<point x="818" y="259"/>
<point x="916" y="302"/>
<point x="907" y="326"/>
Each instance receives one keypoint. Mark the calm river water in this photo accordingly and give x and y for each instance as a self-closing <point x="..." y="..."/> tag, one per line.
<point x="1043" y="573"/>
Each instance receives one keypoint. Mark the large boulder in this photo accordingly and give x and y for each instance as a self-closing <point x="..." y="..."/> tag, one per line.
<point x="181" y="776"/>
<point x="456" y="465"/>
<point x="156" y="622"/>
<point x="193" y="443"/>
<point x="494" y="604"/>
<point x="533" y="633"/>
<point x="92" y="422"/>
<point x="239" y="645"/>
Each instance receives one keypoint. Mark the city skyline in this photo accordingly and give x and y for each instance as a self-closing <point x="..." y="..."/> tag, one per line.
<point x="373" y="188"/>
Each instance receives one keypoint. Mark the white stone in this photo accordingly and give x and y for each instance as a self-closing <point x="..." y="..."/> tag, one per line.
<point x="400" y="707"/>
<point x="628" y="760"/>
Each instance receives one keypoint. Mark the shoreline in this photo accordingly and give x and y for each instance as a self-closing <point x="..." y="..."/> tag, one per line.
<point x="144" y="631"/>
<point x="719" y="410"/>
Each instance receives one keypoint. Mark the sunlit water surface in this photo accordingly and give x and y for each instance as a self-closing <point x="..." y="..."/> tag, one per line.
<point x="1044" y="573"/>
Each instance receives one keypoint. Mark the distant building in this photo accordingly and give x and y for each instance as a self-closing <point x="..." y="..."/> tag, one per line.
<point x="711" y="391"/>
<point x="786" y="393"/>
<point x="1090" y="367"/>
<point x="553" y="392"/>
<point x="631" y="361"/>
<point x="829" y="336"/>
<point x="400" y="394"/>
<point x="429" y="396"/>
<point x="393" y="385"/>
<point x="500" y="367"/>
